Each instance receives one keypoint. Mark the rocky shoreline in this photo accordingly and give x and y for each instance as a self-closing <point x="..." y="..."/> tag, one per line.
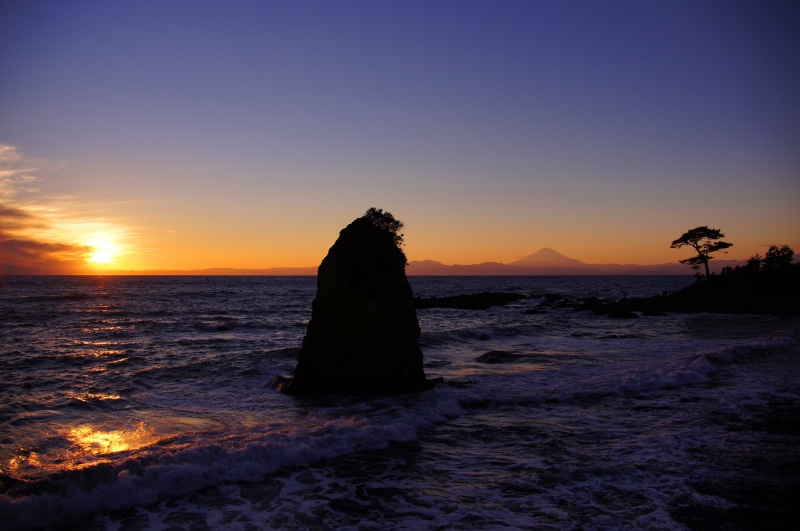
<point x="776" y="294"/>
<point x="764" y="294"/>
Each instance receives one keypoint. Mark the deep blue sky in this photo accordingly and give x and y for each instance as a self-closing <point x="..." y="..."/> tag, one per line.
<point x="491" y="128"/>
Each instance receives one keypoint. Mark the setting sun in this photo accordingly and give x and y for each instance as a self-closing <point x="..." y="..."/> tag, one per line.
<point x="102" y="256"/>
<point x="104" y="248"/>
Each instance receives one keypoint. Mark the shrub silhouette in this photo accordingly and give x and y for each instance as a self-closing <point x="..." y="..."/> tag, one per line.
<point x="387" y="222"/>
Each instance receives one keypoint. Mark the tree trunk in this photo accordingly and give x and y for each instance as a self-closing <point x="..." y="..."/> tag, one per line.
<point x="708" y="274"/>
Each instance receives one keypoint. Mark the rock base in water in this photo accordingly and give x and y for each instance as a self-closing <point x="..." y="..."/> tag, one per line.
<point x="363" y="333"/>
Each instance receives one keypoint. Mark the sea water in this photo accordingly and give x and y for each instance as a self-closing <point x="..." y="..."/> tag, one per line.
<point x="145" y="403"/>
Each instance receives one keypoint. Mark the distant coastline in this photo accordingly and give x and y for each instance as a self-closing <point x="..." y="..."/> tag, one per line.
<point x="544" y="262"/>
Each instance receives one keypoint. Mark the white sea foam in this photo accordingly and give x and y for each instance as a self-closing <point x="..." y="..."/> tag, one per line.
<point x="748" y="351"/>
<point x="667" y="372"/>
<point x="184" y="464"/>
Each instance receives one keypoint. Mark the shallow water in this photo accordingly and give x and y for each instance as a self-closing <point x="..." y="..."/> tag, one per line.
<point x="144" y="402"/>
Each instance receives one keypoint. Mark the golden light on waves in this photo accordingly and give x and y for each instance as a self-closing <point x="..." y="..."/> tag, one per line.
<point x="89" y="446"/>
<point x="98" y="442"/>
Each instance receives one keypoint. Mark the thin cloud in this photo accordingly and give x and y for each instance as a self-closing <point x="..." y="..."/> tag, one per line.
<point x="16" y="172"/>
<point x="31" y="256"/>
<point x="10" y="154"/>
<point x="15" y="219"/>
<point x="54" y="235"/>
<point x="28" y="253"/>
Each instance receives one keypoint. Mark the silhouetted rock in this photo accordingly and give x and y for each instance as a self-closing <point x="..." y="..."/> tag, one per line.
<point x="363" y="333"/>
<point x="478" y="301"/>
<point x="592" y="303"/>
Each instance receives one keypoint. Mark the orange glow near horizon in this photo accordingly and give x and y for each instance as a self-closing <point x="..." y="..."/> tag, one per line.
<point x="111" y="245"/>
<point x="87" y="233"/>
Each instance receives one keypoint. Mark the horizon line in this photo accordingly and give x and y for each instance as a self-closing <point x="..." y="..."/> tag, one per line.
<point x="424" y="267"/>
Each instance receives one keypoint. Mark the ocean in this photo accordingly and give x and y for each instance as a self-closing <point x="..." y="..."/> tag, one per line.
<point x="131" y="403"/>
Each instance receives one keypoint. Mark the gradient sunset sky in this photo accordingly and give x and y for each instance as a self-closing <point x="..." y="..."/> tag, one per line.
<point x="185" y="135"/>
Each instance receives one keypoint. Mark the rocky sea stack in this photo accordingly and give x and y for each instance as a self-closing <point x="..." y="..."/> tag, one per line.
<point x="363" y="333"/>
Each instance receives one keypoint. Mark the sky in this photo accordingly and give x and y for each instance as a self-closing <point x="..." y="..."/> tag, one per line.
<point x="187" y="135"/>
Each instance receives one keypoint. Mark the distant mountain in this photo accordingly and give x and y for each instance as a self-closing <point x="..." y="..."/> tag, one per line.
<point x="431" y="268"/>
<point x="549" y="262"/>
<point x="547" y="257"/>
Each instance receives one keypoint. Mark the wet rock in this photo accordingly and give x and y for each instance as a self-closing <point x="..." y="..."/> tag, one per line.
<point x="592" y="304"/>
<point x="498" y="356"/>
<point x="363" y="333"/>
<point x="623" y="315"/>
<point x="477" y="301"/>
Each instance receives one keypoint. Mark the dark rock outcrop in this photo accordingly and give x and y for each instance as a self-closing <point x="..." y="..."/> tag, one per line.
<point x="592" y="303"/>
<point x="776" y="293"/>
<point x="363" y="333"/>
<point x="622" y="314"/>
<point x="477" y="301"/>
<point x="552" y="297"/>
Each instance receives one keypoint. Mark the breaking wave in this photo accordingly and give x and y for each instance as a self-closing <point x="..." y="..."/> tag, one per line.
<point x="178" y="466"/>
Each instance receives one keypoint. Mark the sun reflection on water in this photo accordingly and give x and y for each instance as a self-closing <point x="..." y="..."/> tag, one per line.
<point x="85" y="446"/>
<point x="98" y="442"/>
<point x="31" y="459"/>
